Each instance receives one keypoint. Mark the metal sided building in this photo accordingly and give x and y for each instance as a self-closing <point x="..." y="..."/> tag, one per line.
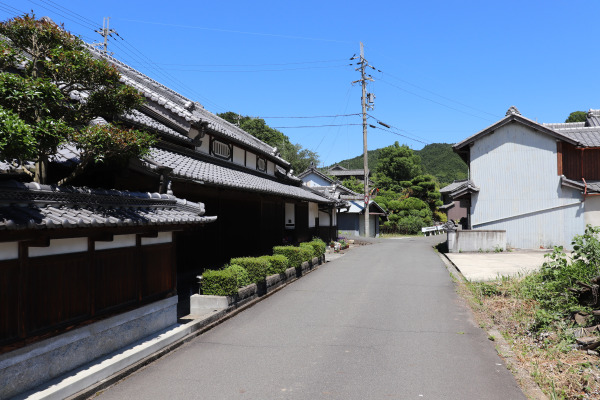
<point x="539" y="182"/>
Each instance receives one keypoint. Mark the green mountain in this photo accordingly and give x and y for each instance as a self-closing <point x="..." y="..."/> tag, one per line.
<point x="437" y="159"/>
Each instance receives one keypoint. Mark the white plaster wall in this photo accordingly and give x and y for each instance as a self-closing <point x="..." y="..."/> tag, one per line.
<point x="290" y="215"/>
<point x="313" y="212"/>
<point x="323" y="219"/>
<point x="163" y="237"/>
<point x="118" y="241"/>
<point x="270" y="168"/>
<point x="238" y="155"/>
<point x="250" y="160"/>
<point x="60" y="246"/>
<point x="520" y="192"/>
<point x="204" y="147"/>
<point x="592" y="210"/>
<point x="9" y="251"/>
<point x="315" y="180"/>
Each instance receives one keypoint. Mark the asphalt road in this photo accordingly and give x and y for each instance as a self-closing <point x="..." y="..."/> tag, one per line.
<point x="381" y="322"/>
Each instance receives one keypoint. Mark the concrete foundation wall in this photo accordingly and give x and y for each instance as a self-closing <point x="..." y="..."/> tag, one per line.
<point x="30" y="366"/>
<point x="476" y="240"/>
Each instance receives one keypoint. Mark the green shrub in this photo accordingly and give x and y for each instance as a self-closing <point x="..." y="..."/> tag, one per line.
<point x="295" y="255"/>
<point x="257" y="267"/>
<point x="410" y="225"/>
<point x="219" y="283"/>
<point x="241" y="275"/>
<point x="319" y="246"/>
<point x="310" y="248"/>
<point x="277" y="264"/>
<point x="550" y="285"/>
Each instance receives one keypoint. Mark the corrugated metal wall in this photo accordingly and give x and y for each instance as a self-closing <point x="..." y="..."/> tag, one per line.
<point x="520" y="192"/>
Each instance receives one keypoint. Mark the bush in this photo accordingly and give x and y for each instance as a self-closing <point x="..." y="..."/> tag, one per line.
<point x="295" y="255"/>
<point x="319" y="246"/>
<point x="410" y="225"/>
<point x="241" y="275"/>
<point x="219" y="283"/>
<point x="310" y="248"/>
<point x="550" y="286"/>
<point x="277" y="264"/>
<point x="256" y="267"/>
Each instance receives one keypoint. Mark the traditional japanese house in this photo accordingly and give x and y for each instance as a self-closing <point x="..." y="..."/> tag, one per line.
<point x="350" y="205"/>
<point x="83" y="273"/>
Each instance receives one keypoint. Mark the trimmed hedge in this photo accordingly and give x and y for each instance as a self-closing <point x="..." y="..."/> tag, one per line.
<point x="241" y="275"/>
<point x="219" y="283"/>
<point x="257" y="267"/>
<point x="295" y="255"/>
<point x="319" y="246"/>
<point x="309" y="247"/>
<point x="277" y="264"/>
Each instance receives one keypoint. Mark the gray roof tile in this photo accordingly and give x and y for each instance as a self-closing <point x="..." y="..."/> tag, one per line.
<point x="188" y="167"/>
<point x="34" y="206"/>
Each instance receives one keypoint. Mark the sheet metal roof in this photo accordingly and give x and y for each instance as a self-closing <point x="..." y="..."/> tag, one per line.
<point x="34" y="206"/>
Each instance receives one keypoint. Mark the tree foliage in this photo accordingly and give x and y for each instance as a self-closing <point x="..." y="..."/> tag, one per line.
<point x="51" y="87"/>
<point x="396" y="164"/>
<point x="577" y="116"/>
<point x="300" y="159"/>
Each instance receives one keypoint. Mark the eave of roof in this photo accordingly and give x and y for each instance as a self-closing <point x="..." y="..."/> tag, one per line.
<point x="510" y="119"/>
<point x="191" y="167"/>
<point x="34" y="206"/>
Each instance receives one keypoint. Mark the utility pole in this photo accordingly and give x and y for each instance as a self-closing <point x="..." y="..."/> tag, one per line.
<point x="105" y="32"/>
<point x="363" y="64"/>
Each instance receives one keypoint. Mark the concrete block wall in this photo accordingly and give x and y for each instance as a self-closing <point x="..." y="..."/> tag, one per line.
<point x="476" y="240"/>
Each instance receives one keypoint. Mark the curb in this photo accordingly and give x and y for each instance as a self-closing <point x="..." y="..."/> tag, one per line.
<point x="528" y="386"/>
<point x="194" y="329"/>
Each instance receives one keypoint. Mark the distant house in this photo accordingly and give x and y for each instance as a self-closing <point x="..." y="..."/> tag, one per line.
<point x="456" y="204"/>
<point x="341" y="173"/>
<point x="538" y="182"/>
<point x="351" y="206"/>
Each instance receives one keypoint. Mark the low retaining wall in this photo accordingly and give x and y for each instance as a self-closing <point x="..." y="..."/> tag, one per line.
<point x="201" y="304"/>
<point x="476" y="240"/>
<point x="25" y="368"/>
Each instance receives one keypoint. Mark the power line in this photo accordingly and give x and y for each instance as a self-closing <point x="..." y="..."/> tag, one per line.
<point x="434" y="101"/>
<point x="234" y="31"/>
<point x="251" y="65"/>
<point x="312" y="126"/>
<point x="317" y="116"/>
<point x="248" y="70"/>
<point x="398" y="134"/>
<point x="389" y="126"/>
<point x="62" y="15"/>
<point x="12" y="10"/>
<point x="439" y="95"/>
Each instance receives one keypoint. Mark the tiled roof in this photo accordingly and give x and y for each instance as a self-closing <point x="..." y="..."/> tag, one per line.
<point x="192" y="112"/>
<point x="515" y="117"/>
<point x="186" y="166"/>
<point x="34" y="206"/>
<point x="453" y="186"/>
<point x="584" y="136"/>
<point x="137" y="118"/>
<point x="347" y="172"/>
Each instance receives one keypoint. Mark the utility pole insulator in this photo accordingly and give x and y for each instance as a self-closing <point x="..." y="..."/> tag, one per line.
<point x="105" y="32"/>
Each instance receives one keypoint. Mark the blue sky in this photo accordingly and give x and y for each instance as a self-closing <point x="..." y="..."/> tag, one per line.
<point x="448" y="68"/>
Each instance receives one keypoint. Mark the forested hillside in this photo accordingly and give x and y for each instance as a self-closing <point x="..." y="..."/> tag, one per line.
<point x="437" y="159"/>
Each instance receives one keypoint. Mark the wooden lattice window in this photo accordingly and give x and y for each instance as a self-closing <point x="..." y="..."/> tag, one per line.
<point x="221" y="150"/>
